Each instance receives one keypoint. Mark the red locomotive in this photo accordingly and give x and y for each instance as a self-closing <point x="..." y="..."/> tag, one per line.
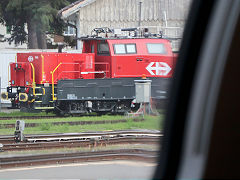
<point x="100" y="79"/>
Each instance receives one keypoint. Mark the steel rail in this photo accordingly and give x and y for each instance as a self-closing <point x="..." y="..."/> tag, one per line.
<point x="95" y="133"/>
<point x="80" y="143"/>
<point x="60" y="158"/>
<point x="6" y="139"/>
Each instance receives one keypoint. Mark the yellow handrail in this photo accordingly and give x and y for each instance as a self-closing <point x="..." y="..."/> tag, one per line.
<point x="52" y="72"/>
<point x="44" y="92"/>
<point x="43" y="72"/>
<point x="33" y="83"/>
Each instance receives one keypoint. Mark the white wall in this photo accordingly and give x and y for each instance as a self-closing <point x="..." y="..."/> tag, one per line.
<point x="125" y="13"/>
<point x="5" y="58"/>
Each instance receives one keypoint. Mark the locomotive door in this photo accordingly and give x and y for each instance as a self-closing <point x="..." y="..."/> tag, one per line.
<point x="125" y="64"/>
<point x="102" y="59"/>
<point x="142" y="63"/>
<point x="21" y="74"/>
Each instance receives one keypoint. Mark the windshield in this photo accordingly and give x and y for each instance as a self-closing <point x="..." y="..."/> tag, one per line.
<point x="156" y="49"/>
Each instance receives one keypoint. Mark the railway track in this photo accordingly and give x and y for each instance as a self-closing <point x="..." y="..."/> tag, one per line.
<point x="78" y="140"/>
<point x="47" y="141"/>
<point x="60" y="158"/>
<point x="7" y="139"/>
<point x="80" y="143"/>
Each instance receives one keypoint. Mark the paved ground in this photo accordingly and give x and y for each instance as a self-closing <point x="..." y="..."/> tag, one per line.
<point x="97" y="170"/>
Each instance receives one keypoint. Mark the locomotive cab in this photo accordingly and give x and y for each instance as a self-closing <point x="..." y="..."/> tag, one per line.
<point x="122" y="58"/>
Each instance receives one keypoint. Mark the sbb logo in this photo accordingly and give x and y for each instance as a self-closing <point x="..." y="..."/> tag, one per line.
<point x="30" y="59"/>
<point x="158" y="68"/>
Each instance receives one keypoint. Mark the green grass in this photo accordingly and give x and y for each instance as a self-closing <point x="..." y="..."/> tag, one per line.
<point x="65" y="119"/>
<point x="150" y="122"/>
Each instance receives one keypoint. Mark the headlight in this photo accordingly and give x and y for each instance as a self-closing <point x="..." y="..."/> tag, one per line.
<point x="4" y="95"/>
<point x="23" y="97"/>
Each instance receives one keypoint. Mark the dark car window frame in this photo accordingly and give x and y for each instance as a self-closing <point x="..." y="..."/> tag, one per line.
<point x="102" y="53"/>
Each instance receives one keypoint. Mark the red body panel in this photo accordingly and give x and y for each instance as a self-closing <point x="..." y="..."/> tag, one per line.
<point x="21" y="74"/>
<point x="91" y="64"/>
<point x="66" y="66"/>
<point x="135" y="65"/>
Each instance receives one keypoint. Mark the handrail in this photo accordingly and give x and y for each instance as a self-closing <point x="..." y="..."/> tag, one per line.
<point x="104" y="72"/>
<point x="107" y="69"/>
<point x="90" y="72"/>
<point x="79" y="72"/>
<point x="52" y="72"/>
<point x="94" y="72"/>
<point x="44" y="91"/>
<point x="33" y="83"/>
<point x="43" y="72"/>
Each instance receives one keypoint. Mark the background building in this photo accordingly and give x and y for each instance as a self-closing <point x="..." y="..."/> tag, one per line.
<point x="158" y="15"/>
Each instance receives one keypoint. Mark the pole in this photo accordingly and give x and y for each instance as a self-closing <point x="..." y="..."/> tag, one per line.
<point x="78" y="47"/>
<point x="140" y="13"/>
<point x="165" y="18"/>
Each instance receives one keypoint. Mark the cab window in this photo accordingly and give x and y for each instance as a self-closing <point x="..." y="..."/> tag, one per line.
<point x="125" y="48"/>
<point x="156" y="48"/>
<point x="131" y="48"/>
<point x="103" y="49"/>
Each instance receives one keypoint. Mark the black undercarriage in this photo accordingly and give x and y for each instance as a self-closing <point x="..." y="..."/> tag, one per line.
<point x="84" y="96"/>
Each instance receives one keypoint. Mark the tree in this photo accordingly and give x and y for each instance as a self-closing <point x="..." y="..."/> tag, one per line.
<point x="38" y="15"/>
<point x="1" y="19"/>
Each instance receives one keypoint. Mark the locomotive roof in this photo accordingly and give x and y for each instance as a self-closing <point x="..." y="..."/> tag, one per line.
<point x="120" y="38"/>
<point x="117" y="34"/>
